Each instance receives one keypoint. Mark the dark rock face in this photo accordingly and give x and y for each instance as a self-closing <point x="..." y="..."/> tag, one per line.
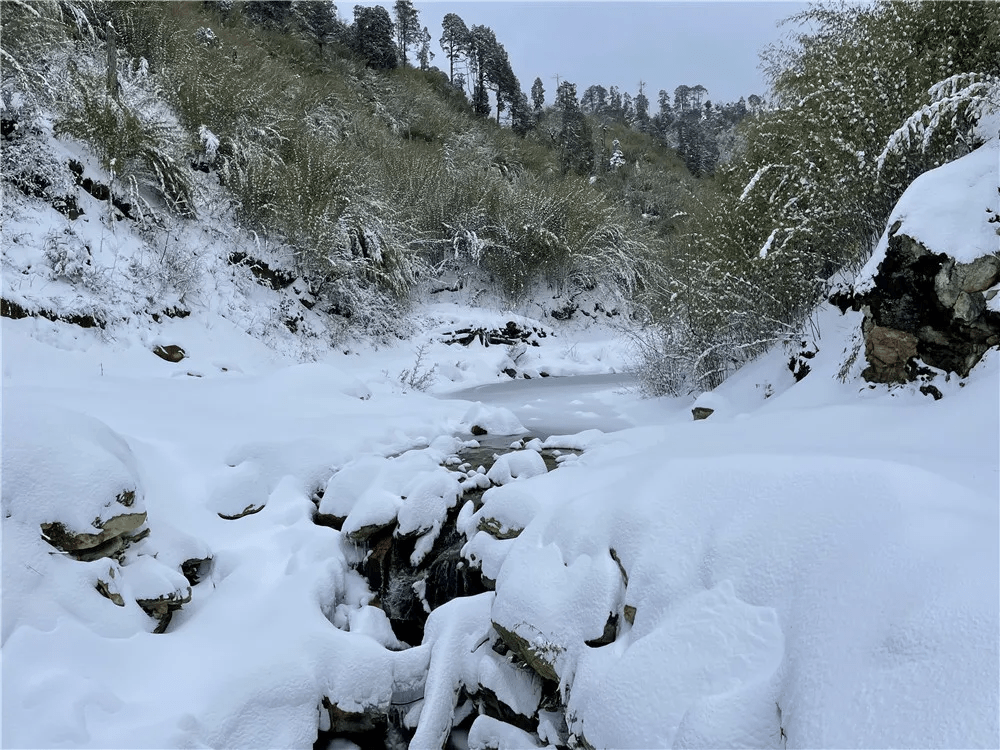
<point x="926" y="306"/>
<point x="442" y="576"/>
<point x="701" y="412"/>
<point x="171" y="353"/>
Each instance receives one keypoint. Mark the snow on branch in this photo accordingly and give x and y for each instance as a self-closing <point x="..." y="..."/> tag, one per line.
<point x="756" y="178"/>
<point x="970" y="94"/>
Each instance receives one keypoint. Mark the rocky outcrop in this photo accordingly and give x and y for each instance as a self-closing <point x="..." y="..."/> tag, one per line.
<point x="925" y="306"/>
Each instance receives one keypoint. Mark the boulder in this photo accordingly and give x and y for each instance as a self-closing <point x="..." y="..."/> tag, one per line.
<point x="925" y="306"/>
<point x="541" y="657"/>
<point x="888" y="351"/>
<point x="171" y="353"/>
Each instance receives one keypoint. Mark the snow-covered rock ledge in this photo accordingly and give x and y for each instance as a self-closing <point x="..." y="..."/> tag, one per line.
<point x="929" y="292"/>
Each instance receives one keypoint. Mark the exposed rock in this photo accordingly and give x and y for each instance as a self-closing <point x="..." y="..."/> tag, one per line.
<point x="609" y="634"/>
<point x="629" y="613"/>
<point x="497" y="530"/>
<point x="171" y="353"/>
<point x="540" y="658"/>
<point x="67" y="540"/>
<point x="925" y="306"/>
<point x="701" y="412"/>
<point x="477" y="430"/>
<point x="889" y="351"/>
<point x="247" y="511"/>
<point x="162" y="608"/>
<point x="195" y="569"/>
<point x="329" y="519"/>
<point x="366" y="533"/>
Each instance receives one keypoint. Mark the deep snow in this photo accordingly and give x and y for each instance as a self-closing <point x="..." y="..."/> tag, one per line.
<point x="815" y="565"/>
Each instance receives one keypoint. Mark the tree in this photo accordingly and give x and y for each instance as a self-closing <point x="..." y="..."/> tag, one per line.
<point x="269" y="13"/>
<point x="575" y="137"/>
<point x="372" y="36"/>
<point x="317" y="21"/>
<point x="521" y="121"/>
<point x="641" y="111"/>
<point x="594" y="100"/>
<point x="537" y="95"/>
<point x="455" y="41"/>
<point x="425" y="55"/>
<point x="407" y="27"/>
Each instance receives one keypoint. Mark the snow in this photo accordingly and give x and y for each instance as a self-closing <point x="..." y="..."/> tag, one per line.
<point x="946" y="210"/>
<point x="814" y="565"/>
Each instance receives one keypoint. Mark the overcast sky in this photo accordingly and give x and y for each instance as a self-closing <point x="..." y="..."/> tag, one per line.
<point x="664" y="44"/>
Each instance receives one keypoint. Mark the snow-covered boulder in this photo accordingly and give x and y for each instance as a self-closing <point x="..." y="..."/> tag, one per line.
<point x="70" y="477"/>
<point x="929" y="292"/>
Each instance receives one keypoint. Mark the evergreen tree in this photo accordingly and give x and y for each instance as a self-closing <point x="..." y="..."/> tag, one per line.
<point x="594" y="100"/>
<point x="269" y="13"/>
<point x="455" y="40"/>
<point x="521" y="121"/>
<point x="575" y="137"/>
<point x="425" y="54"/>
<point x="372" y="36"/>
<point x="317" y="20"/>
<point x="641" y="111"/>
<point x="407" y="27"/>
<point x="537" y="95"/>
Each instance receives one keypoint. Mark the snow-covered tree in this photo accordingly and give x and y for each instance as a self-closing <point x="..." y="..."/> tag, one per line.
<point x="537" y="95"/>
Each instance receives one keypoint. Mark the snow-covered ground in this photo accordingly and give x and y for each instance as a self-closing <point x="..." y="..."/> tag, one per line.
<point x="814" y="565"/>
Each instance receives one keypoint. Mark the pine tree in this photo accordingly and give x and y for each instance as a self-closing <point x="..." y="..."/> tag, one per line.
<point x="317" y="20"/>
<point x="407" y="27"/>
<point x="575" y="138"/>
<point x="537" y="95"/>
<point x="372" y="36"/>
<point x="455" y="41"/>
<point x="425" y="55"/>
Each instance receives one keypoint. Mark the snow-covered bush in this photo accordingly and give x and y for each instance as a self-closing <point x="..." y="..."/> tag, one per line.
<point x="137" y="146"/>
<point x="70" y="258"/>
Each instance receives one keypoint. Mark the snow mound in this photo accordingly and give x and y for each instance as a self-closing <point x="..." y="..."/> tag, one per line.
<point x="495" y="420"/>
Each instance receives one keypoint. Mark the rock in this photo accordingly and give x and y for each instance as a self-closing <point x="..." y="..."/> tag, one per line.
<point x="629" y="613"/>
<point x="933" y="299"/>
<point x="888" y="352"/>
<point x="67" y="540"/>
<point x="349" y="722"/>
<point x="701" y="412"/>
<point x="365" y="533"/>
<point x="477" y="430"/>
<point x="979" y="275"/>
<point x="171" y="353"/>
<point x="195" y="569"/>
<point x="609" y="634"/>
<point x="162" y="608"/>
<point x="539" y="658"/>
<point x="109" y="588"/>
<point x="969" y="307"/>
<point x="497" y="530"/>
<point x="247" y="511"/>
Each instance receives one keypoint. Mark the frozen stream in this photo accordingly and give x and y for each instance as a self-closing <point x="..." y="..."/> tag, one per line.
<point x="563" y="405"/>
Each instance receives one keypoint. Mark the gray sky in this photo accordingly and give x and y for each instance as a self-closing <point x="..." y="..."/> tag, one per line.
<point x="665" y="44"/>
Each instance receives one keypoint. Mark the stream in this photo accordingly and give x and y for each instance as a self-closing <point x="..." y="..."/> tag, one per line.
<point x="561" y="405"/>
